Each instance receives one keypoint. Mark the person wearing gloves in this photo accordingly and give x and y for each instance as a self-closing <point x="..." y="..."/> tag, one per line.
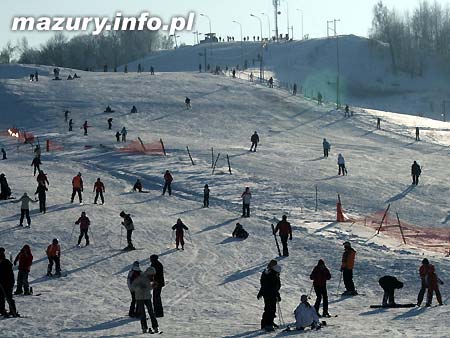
<point x="129" y="226"/>
<point x="270" y="291"/>
<point x="134" y="273"/>
<point x="25" y="208"/>
<point x="306" y="315"/>
<point x="25" y="259"/>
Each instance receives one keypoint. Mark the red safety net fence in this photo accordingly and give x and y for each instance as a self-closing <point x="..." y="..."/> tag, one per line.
<point x="22" y="136"/>
<point x="53" y="145"/>
<point x="138" y="146"/>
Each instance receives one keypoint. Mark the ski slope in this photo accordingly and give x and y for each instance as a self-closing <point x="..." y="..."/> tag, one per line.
<point x="212" y="285"/>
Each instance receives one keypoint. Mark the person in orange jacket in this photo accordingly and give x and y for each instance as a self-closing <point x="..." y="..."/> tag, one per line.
<point x="284" y="227"/>
<point x="430" y="281"/>
<point x="54" y="254"/>
<point x="99" y="189"/>
<point x="348" y="262"/>
<point x="77" y="188"/>
<point x="25" y="259"/>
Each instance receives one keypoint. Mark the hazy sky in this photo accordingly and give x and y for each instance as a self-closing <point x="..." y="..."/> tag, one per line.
<point x="355" y="15"/>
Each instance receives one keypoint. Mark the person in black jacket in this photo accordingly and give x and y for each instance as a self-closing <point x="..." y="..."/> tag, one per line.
<point x="179" y="233"/>
<point x="415" y="173"/>
<point x="159" y="283"/>
<point x="40" y="191"/>
<point x="270" y="291"/>
<point x="6" y="286"/>
<point x="239" y="232"/>
<point x="5" y="190"/>
<point x="36" y="163"/>
<point x="389" y="284"/>
<point x="206" y="196"/>
<point x="255" y="140"/>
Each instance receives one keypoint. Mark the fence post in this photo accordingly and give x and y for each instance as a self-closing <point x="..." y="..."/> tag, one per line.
<point x="212" y="157"/>
<point x="401" y="230"/>
<point x="47" y="146"/>
<point x="384" y="216"/>
<point x="189" y="153"/>
<point x="162" y="145"/>
<point x="214" y="166"/>
<point x="316" y="197"/>
<point x="229" y="166"/>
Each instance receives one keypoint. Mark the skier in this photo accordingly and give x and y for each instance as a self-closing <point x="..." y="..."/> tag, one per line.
<point x="36" y="76"/>
<point x="129" y="226"/>
<point x="284" y="227"/>
<point x="430" y="281"/>
<point x="389" y="284"/>
<point x="415" y="173"/>
<point x="84" y="223"/>
<point x="77" y="188"/>
<point x="239" y="232"/>
<point x="179" y="228"/>
<point x="70" y="125"/>
<point x="246" y="197"/>
<point x="108" y="110"/>
<point x="137" y="186"/>
<point x="341" y="165"/>
<point x="118" y="136"/>
<point x="41" y="192"/>
<point x="348" y="262"/>
<point x="37" y="151"/>
<point x="99" y="189"/>
<point x="294" y="89"/>
<point x="85" y="128"/>
<point x="319" y="98"/>
<point x="6" y="287"/>
<point x="326" y="147"/>
<point x="142" y="287"/>
<point x="54" y="255"/>
<point x="110" y="123"/>
<point x="305" y="315"/>
<point x="3" y="154"/>
<point x="25" y="259"/>
<point x="417" y="134"/>
<point x="25" y="208"/>
<point x="206" y="196"/>
<point x="187" y="101"/>
<point x="5" y="190"/>
<point x="36" y="163"/>
<point x="31" y="77"/>
<point x="124" y="134"/>
<point x="251" y="76"/>
<point x="234" y="73"/>
<point x="378" y="123"/>
<point x="167" y="183"/>
<point x="152" y="70"/>
<point x="158" y="284"/>
<point x="319" y="276"/>
<point x="346" y="111"/>
<point x="255" y="140"/>
<point x="271" y="82"/>
<point x="133" y="110"/>
<point x="42" y="178"/>
<point x="132" y="275"/>
<point x="270" y="291"/>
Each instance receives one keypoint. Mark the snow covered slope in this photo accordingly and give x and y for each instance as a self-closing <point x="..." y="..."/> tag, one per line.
<point x="212" y="285"/>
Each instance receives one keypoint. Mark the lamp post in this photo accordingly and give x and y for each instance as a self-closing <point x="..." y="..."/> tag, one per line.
<point x="268" y="23"/>
<point x="260" y="22"/>
<point x="333" y="29"/>
<point x="301" y="12"/>
<point x="209" y="23"/>
<point x="242" y="57"/>
<point x="287" y="20"/>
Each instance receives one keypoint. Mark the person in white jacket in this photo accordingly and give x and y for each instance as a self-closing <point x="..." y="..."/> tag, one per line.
<point x="246" y="197"/>
<point x="306" y="315"/>
<point x="341" y="164"/>
<point x="25" y="208"/>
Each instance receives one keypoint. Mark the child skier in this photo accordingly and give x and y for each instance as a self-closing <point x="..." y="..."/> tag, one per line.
<point x="179" y="228"/>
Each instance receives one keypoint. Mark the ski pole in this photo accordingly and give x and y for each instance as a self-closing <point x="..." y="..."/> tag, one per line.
<point x="92" y="234"/>
<point x="339" y="285"/>
<point x="280" y="315"/>
<point x="190" y="238"/>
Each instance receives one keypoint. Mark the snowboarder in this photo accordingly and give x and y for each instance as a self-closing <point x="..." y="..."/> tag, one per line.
<point x="239" y="232"/>
<point x="415" y="173"/>
<point x="271" y="82"/>
<point x="85" y="128"/>
<point x="348" y="262"/>
<point x="3" y="154"/>
<point x="284" y="227"/>
<point x="77" y="188"/>
<point x="129" y="226"/>
<point x="54" y="255"/>
<point x="36" y="163"/>
<point x="142" y="287"/>
<point x="25" y="208"/>
<point x="255" y="140"/>
<point x="430" y="281"/>
<point x="42" y="196"/>
<point x="206" y="196"/>
<point x="118" y="136"/>
<point x="378" y="123"/>
<point x="417" y="134"/>
<point x="137" y="186"/>
<point x="246" y="197"/>
<point x="108" y="110"/>
<point x="42" y="178"/>
<point x="319" y="276"/>
<point x="70" y="125"/>
<point x="84" y="223"/>
<point x="389" y="284"/>
<point x="99" y="189"/>
<point x="270" y="291"/>
<point x="346" y="111"/>
<point x="179" y="228"/>
<point x="319" y="98"/>
<point x="294" y="89"/>
<point x="5" y="190"/>
<point x="306" y="315"/>
<point x="158" y="284"/>
<point x="187" y="101"/>
<point x="25" y="259"/>
<point x="6" y="287"/>
<point x="132" y="275"/>
<point x="124" y="134"/>
<point x="167" y="183"/>
<point x="133" y="110"/>
<point x="326" y="147"/>
<point x="110" y="123"/>
<point x="341" y="165"/>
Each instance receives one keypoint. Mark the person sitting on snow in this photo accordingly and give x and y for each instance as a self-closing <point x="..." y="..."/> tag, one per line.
<point x="306" y="315"/>
<point x="137" y="186"/>
<point x="133" y="110"/>
<point x="239" y="232"/>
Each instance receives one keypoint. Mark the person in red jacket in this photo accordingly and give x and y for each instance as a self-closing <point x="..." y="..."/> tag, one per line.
<point x="99" y="189"/>
<point x="348" y="262"/>
<point x="77" y="188"/>
<point x="54" y="254"/>
<point x="430" y="281"/>
<point x="25" y="259"/>
<point x="179" y="233"/>
<point x="84" y="223"/>
<point x="319" y="276"/>
<point x="167" y="183"/>
<point x="284" y="227"/>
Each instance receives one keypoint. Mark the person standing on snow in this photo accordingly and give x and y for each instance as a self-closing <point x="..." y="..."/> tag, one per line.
<point x="129" y="226"/>
<point x="36" y="163"/>
<point x="42" y="196"/>
<point x="341" y="165"/>
<point x="85" y="128"/>
<point x="158" y="284"/>
<point x="110" y="123"/>
<point x="25" y="208"/>
<point x="118" y="136"/>
<point x="6" y="287"/>
<point x="389" y="284"/>
<point x="255" y="140"/>
<point x="77" y="188"/>
<point x="430" y="281"/>
<point x="179" y="228"/>
<point x="306" y="315"/>
<point x="246" y="197"/>
<point x="270" y="291"/>
<point x="54" y="255"/>
<point x="84" y="223"/>
<point x="167" y="183"/>
<point x="124" y="134"/>
<point x="25" y="259"/>
<point x="206" y="196"/>
<point x="3" y="154"/>
<point x="70" y="125"/>
<point x="319" y="276"/>
<point x="42" y="178"/>
<point x="326" y="147"/>
<point x="348" y="262"/>
<point x="5" y="190"/>
<point x="134" y="273"/>
<point x="99" y="189"/>
<point x="284" y="227"/>
<point x="415" y="173"/>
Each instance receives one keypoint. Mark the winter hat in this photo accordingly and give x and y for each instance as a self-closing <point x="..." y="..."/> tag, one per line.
<point x="425" y="261"/>
<point x="304" y="298"/>
<point x="25" y="194"/>
<point x="150" y="271"/>
<point x="55" y="241"/>
<point x="122" y="213"/>
<point x="277" y="268"/>
<point x="347" y="244"/>
<point x="136" y="266"/>
<point x="321" y="262"/>
<point x="284" y="217"/>
<point x="154" y="258"/>
<point x="272" y="263"/>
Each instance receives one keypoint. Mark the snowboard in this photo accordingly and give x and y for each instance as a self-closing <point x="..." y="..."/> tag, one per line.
<point x="393" y="306"/>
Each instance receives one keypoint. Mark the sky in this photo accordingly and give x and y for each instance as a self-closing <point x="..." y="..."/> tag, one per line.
<point x="355" y="15"/>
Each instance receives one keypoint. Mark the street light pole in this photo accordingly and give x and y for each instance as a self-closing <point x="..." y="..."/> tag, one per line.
<point x="242" y="57"/>
<point x="260" y="22"/>
<point x="338" y="101"/>
<point x="210" y="31"/>
<point x="268" y="23"/>
<point x="301" y="12"/>
<point x="287" y="20"/>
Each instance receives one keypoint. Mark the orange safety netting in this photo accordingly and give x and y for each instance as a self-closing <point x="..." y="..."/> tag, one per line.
<point x="24" y="137"/>
<point x="54" y="146"/>
<point x="136" y="146"/>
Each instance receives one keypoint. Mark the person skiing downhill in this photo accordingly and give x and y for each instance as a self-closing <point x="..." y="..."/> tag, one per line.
<point x="206" y="196"/>
<point x="341" y="165"/>
<point x="255" y="140"/>
<point x="25" y="208"/>
<point x="179" y="228"/>
<point x="77" y="188"/>
<point x="158" y="284"/>
<point x="99" y="189"/>
<point x="246" y="197"/>
<point x="54" y="255"/>
<point x="430" y="282"/>
<point x="25" y="259"/>
<point x="284" y="227"/>
<point x="167" y="183"/>
<point x="129" y="226"/>
<point x="42" y="196"/>
<point x="84" y="223"/>
<point x="326" y="147"/>
<point x="270" y="291"/>
<point x="348" y="262"/>
<point x="415" y="173"/>
<point x="132" y="275"/>
<point x="36" y="163"/>
<point x="319" y="276"/>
